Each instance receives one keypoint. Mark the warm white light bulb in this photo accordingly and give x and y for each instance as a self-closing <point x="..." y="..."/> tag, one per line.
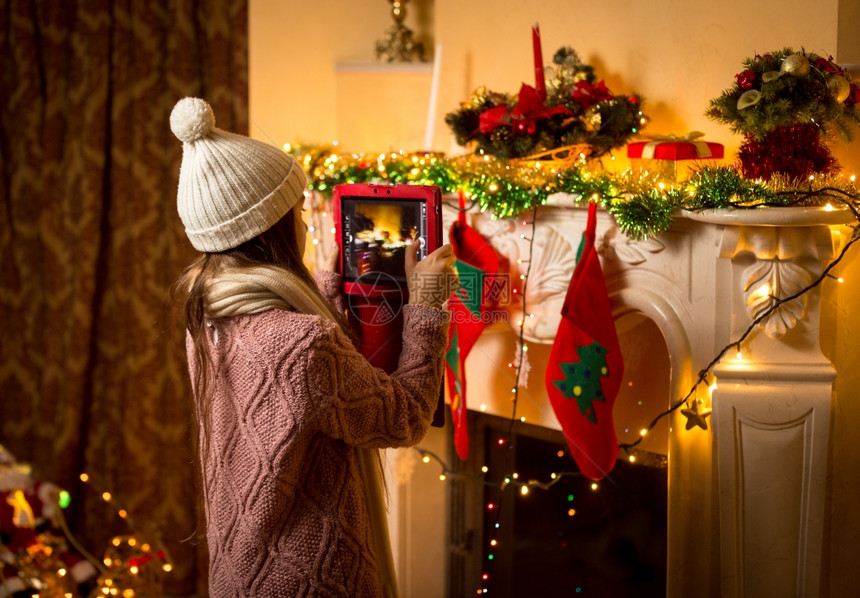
<point x="761" y="292"/>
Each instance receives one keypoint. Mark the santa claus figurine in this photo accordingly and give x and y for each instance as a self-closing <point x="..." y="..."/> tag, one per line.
<point x="34" y="552"/>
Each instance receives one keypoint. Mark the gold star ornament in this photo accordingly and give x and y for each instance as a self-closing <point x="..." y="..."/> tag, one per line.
<point x="696" y="415"/>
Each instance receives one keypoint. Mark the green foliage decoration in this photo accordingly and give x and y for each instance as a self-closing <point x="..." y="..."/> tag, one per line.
<point x="787" y="88"/>
<point x="577" y="110"/>
<point x="643" y="206"/>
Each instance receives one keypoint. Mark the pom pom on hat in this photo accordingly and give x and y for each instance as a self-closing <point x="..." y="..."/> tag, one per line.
<point x="231" y="187"/>
<point x="191" y="119"/>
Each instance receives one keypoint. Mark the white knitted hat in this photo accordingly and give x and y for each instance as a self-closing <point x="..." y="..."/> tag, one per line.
<point x="231" y="187"/>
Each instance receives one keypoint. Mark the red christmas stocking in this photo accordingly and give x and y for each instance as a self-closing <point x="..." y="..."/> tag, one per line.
<point x="585" y="365"/>
<point x="477" y="265"/>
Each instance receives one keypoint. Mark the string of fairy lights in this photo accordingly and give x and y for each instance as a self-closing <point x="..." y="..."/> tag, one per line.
<point x="133" y="564"/>
<point x="642" y="205"/>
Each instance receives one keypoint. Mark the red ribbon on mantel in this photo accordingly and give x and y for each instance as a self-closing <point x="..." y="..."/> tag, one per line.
<point x="492" y="119"/>
<point x="530" y="107"/>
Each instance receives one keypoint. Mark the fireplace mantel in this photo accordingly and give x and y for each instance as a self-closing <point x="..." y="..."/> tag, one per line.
<point x="746" y="497"/>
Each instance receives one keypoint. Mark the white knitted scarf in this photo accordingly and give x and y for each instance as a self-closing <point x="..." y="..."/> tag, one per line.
<point x="244" y="291"/>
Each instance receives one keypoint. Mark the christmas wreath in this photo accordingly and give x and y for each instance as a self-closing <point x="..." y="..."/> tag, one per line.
<point x="573" y="109"/>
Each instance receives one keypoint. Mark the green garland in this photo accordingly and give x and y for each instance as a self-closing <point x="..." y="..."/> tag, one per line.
<point x="643" y="207"/>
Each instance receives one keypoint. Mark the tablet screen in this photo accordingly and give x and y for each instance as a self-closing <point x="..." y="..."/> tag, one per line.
<point x="376" y="233"/>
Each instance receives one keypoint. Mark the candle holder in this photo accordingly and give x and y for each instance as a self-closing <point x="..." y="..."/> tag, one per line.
<point x="398" y="45"/>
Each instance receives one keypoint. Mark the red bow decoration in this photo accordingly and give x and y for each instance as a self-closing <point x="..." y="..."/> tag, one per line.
<point x="529" y="108"/>
<point x="492" y="119"/>
<point x="587" y="95"/>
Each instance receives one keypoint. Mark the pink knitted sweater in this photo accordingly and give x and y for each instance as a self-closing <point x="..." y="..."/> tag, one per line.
<point x="285" y="505"/>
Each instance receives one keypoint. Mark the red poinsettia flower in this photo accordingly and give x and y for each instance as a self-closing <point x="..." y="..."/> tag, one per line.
<point x="827" y="66"/>
<point x="587" y="95"/>
<point x="746" y="79"/>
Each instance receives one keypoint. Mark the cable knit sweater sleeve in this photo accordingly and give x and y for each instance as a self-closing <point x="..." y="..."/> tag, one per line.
<point x="329" y="285"/>
<point x="364" y="406"/>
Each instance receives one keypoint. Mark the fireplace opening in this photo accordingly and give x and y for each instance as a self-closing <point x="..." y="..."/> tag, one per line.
<point x="561" y="537"/>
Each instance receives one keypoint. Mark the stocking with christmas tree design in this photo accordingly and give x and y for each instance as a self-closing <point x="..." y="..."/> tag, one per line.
<point x="477" y="266"/>
<point x="585" y="365"/>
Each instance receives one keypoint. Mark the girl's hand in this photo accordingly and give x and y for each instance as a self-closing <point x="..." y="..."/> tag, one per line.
<point x="332" y="260"/>
<point x="432" y="280"/>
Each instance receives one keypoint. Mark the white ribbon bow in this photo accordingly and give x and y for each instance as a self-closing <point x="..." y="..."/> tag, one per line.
<point x="702" y="149"/>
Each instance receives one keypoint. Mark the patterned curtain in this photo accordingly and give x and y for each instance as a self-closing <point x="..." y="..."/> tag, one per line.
<point x="92" y="370"/>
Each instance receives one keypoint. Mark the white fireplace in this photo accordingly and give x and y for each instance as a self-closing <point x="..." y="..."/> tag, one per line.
<point x="746" y="497"/>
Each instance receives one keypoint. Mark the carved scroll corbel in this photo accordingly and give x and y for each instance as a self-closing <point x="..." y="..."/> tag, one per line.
<point x="781" y="261"/>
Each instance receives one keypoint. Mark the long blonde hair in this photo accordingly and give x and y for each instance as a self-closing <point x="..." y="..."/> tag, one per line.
<point x="275" y="247"/>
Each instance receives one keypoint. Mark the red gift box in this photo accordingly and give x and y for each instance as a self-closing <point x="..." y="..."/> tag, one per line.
<point x="676" y="148"/>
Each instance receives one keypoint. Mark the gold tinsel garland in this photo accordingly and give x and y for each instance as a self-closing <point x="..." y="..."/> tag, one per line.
<point x="642" y="204"/>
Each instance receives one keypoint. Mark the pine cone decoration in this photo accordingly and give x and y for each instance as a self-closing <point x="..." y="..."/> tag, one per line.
<point x="814" y="91"/>
<point x="501" y="136"/>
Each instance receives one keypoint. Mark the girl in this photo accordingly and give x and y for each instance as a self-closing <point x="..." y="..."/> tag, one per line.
<point x="290" y="414"/>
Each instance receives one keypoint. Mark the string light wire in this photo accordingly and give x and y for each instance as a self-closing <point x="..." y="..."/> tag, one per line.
<point x="706" y="371"/>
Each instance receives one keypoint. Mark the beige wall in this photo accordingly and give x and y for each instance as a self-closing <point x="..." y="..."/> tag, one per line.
<point x="677" y="54"/>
